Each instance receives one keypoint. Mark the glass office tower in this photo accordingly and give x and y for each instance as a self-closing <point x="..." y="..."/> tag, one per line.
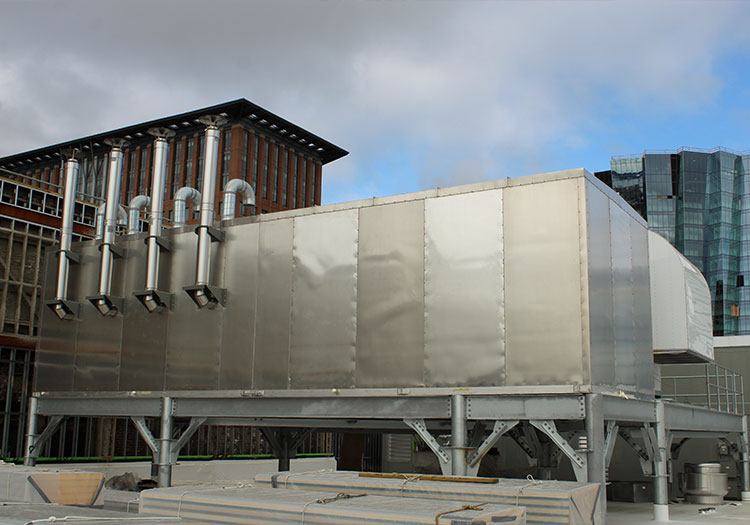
<point x="700" y="201"/>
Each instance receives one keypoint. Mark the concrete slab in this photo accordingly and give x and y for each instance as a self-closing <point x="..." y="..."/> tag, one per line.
<point x="730" y="513"/>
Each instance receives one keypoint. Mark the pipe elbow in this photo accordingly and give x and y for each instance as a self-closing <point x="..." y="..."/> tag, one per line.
<point x="242" y="187"/>
<point x="134" y="211"/>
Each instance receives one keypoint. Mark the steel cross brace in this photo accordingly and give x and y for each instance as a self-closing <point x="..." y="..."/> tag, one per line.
<point x="609" y="441"/>
<point x="52" y="424"/>
<point x="643" y="456"/>
<point x="480" y="449"/>
<point x="576" y="460"/>
<point x="153" y="444"/>
<point x="418" y="426"/>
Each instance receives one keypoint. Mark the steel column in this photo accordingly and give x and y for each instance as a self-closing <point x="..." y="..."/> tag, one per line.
<point x="745" y="459"/>
<point x="661" y="488"/>
<point x="458" y="435"/>
<point x="595" y="460"/>
<point x="165" y="444"/>
<point x="29" y="458"/>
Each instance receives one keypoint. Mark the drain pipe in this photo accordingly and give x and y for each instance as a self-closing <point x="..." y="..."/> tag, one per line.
<point x="137" y="203"/>
<point x="63" y="308"/>
<point x="203" y="294"/>
<point x="183" y="195"/>
<point x="152" y="298"/>
<point x="231" y="190"/>
<point x="122" y="219"/>
<point x="104" y="302"/>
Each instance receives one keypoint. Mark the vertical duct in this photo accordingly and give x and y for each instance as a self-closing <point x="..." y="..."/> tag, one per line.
<point x="231" y="190"/>
<point x="137" y="203"/>
<point x="105" y="302"/>
<point x="152" y="298"/>
<point x="202" y="293"/>
<point x="63" y="308"/>
<point x="183" y="195"/>
<point x="122" y="220"/>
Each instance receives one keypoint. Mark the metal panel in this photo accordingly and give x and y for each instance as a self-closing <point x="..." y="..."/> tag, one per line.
<point x="143" y="360"/>
<point x="544" y="338"/>
<point x="600" y="287"/>
<point x="97" y="363"/>
<point x="622" y="286"/>
<point x="193" y="335"/>
<point x="324" y="300"/>
<point x="464" y="336"/>
<point x="271" y="358"/>
<point x="55" y="353"/>
<point x="240" y="249"/>
<point x="642" y="342"/>
<point x="390" y="296"/>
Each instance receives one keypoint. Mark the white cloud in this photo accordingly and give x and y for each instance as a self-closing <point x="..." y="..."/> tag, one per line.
<point x="491" y="82"/>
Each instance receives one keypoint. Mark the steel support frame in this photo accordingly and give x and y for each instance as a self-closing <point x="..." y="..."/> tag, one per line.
<point x="601" y="416"/>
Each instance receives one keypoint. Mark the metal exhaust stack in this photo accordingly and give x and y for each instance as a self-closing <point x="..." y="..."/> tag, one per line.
<point x="203" y="294"/>
<point x="104" y="302"/>
<point x="137" y="203"/>
<point x="63" y="308"/>
<point x="122" y="220"/>
<point x="152" y="298"/>
<point x="231" y="190"/>
<point x="184" y="194"/>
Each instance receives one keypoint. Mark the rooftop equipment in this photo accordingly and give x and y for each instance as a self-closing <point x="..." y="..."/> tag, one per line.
<point x="522" y="283"/>
<point x="231" y="190"/>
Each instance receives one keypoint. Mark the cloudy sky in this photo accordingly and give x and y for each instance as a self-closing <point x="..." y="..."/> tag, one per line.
<point x="422" y="94"/>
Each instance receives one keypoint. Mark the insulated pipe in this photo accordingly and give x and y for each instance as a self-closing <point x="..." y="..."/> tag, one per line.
<point x="110" y="219"/>
<point x="231" y="190"/>
<point x="137" y="203"/>
<point x="122" y="219"/>
<point x="66" y="235"/>
<point x="157" y="205"/>
<point x="180" y="202"/>
<point x="203" y="266"/>
<point x="661" y="452"/>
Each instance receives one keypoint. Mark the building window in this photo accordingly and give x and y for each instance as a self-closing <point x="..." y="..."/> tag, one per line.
<point x="255" y="164"/>
<point x="303" y="195"/>
<point x="284" y="199"/>
<point x="294" y="180"/>
<point x="189" y="163"/>
<point x="245" y="139"/>
<point x="314" y="189"/>
<point x="275" y="173"/>
<point x="265" y="169"/>
<point x="142" y="172"/>
<point x="225" y="158"/>
<point x="131" y="177"/>
<point x="199" y="168"/>
<point x="176" y="166"/>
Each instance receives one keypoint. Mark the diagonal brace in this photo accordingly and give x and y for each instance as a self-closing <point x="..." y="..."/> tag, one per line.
<point x="195" y="422"/>
<point x="500" y="428"/>
<point x="576" y="460"/>
<point x="52" y="424"/>
<point x="418" y="426"/>
<point x="143" y="430"/>
<point x="609" y="441"/>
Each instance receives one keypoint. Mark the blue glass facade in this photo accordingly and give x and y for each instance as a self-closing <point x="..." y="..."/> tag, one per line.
<point x="700" y="202"/>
